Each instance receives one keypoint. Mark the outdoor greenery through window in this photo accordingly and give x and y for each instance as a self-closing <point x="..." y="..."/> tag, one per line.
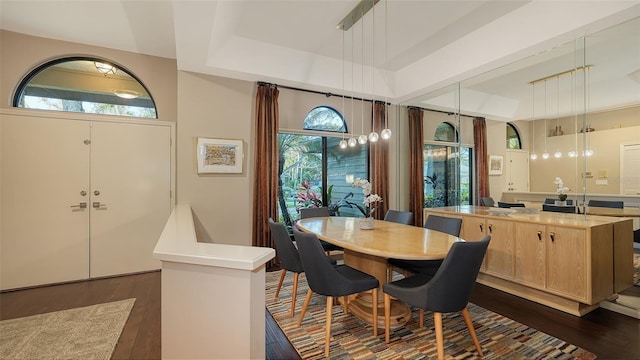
<point x="314" y="171"/>
<point x="445" y="132"/>
<point x="447" y="175"/>
<point x="85" y="85"/>
<point x="513" y="137"/>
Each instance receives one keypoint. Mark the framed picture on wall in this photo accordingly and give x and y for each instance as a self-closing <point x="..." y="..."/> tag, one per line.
<point x="495" y="164"/>
<point x="219" y="156"/>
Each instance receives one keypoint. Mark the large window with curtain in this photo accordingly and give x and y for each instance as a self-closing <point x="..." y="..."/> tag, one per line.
<point x="447" y="170"/>
<point x="314" y="171"/>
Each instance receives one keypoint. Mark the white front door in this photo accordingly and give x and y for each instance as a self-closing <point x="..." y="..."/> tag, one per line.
<point x="130" y="188"/>
<point x="517" y="170"/>
<point x="45" y="171"/>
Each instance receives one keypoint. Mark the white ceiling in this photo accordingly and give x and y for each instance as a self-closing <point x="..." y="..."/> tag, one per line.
<point x="429" y="44"/>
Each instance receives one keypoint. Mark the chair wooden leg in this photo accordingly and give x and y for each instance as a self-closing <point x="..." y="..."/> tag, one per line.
<point x="389" y="273"/>
<point x="345" y="304"/>
<point x="304" y="306"/>
<point x="437" y="320"/>
<point x="472" y="331"/>
<point x="387" y="316"/>
<point x="374" y="295"/>
<point x="294" y="293"/>
<point x="327" y="332"/>
<point x="284" y="272"/>
<point x="421" y="318"/>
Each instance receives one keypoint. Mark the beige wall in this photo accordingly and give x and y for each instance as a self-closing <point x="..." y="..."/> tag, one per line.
<point x="22" y="53"/>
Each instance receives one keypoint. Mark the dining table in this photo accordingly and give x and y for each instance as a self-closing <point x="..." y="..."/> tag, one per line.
<point x="368" y="251"/>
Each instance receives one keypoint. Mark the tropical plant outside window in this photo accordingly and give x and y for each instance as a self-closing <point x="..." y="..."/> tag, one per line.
<point x="447" y="170"/>
<point x="513" y="137"/>
<point x="313" y="170"/>
<point x="87" y="85"/>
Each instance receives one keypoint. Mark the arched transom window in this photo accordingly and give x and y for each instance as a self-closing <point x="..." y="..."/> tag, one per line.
<point x="445" y="132"/>
<point x="513" y="137"/>
<point x="325" y="118"/>
<point x="84" y="84"/>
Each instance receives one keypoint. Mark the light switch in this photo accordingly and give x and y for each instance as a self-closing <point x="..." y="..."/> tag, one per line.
<point x="602" y="182"/>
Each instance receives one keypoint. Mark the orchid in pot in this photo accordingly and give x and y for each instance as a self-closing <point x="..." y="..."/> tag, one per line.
<point x="369" y="203"/>
<point x="561" y="190"/>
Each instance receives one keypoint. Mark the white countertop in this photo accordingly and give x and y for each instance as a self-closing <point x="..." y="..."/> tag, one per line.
<point x="178" y="243"/>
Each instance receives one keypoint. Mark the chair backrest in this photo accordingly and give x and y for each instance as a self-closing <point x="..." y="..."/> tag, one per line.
<point x="314" y="212"/>
<point x="487" y="201"/>
<point x="289" y="257"/>
<point x="400" y="217"/>
<point x="443" y="224"/>
<point x="450" y="288"/>
<point x="607" y="204"/>
<point x="322" y="277"/>
<point x="509" y="205"/>
<point x="560" y="209"/>
<point x="552" y="201"/>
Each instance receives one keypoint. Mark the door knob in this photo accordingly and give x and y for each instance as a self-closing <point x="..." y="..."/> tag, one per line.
<point x="82" y="205"/>
<point x="98" y="205"/>
<point x="96" y="193"/>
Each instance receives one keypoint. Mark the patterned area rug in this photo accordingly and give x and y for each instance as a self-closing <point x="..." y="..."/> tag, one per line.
<point x="82" y="333"/>
<point x="636" y="269"/>
<point x="500" y="337"/>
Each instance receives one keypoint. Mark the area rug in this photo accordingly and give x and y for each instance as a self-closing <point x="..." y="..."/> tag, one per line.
<point x="499" y="337"/>
<point x="81" y="333"/>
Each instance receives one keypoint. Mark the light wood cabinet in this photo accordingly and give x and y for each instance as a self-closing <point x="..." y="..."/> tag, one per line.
<point x="566" y="261"/>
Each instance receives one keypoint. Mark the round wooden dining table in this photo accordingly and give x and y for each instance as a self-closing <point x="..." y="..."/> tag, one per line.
<point x="368" y="251"/>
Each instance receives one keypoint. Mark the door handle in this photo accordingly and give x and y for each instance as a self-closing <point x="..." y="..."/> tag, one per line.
<point x="82" y="205"/>
<point x="98" y="205"/>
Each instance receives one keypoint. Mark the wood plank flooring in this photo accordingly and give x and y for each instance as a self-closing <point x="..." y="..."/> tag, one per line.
<point x="609" y="335"/>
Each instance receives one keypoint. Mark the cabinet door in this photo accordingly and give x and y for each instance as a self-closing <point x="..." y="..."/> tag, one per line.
<point x="131" y="181"/>
<point x="473" y="228"/>
<point x="567" y="262"/>
<point x="45" y="172"/>
<point x="529" y="244"/>
<point x="499" y="260"/>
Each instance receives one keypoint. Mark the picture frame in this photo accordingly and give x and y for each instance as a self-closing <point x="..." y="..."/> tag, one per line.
<point x="495" y="164"/>
<point x="219" y="156"/>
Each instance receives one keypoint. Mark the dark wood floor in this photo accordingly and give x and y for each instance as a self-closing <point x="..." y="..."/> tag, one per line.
<point x="607" y="334"/>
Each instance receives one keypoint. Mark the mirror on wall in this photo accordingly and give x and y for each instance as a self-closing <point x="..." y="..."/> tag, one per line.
<point x="575" y="106"/>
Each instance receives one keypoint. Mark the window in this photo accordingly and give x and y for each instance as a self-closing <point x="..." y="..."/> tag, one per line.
<point x="325" y="118"/>
<point x="445" y="132"/>
<point x="513" y="137"/>
<point x="447" y="175"/>
<point x="87" y="85"/>
<point x="314" y="169"/>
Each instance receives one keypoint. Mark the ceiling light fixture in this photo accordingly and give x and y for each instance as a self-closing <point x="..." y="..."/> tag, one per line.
<point x="343" y="143"/>
<point x="362" y="139"/>
<point x="373" y="135"/>
<point x="558" y="131"/>
<point x="545" y="155"/>
<point x="105" y="68"/>
<point x="352" y="140"/>
<point x="386" y="132"/>
<point x="533" y="155"/>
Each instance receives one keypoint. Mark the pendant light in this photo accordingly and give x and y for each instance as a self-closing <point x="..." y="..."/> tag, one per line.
<point x="573" y="153"/>
<point x="343" y="143"/>
<point x="373" y="135"/>
<point x="386" y="132"/>
<point x="352" y="140"/>
<point x="558" y="154"/>
<point x="362" y="139"/>
<point x="533" y="155"/>
<point x="545" y="155"/>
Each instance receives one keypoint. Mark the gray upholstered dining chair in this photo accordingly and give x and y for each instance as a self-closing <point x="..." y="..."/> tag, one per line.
<point x="448" y="290"/>
<point x="443" y="224"/>
<point x="607" y="204"/>
<point x="289" y="258"/>
<point x="331" y="281"/>
<point x="560" y="209"/>
<point x="503" y="204"/>
<point x="552" y="201"/>
<point x="400" y="217"/>
<point x="487" y="201"/>
<point x="320" y="212"/>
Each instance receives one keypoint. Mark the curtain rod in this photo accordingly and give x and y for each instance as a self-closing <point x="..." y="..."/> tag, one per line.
<point x="327" y="94"/>
<point x="444" y="112"/>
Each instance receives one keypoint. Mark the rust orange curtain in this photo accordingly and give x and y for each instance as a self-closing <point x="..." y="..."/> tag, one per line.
<point x="379" y="161"/>
<point x="265" y="186"/>
<point x="482" y="168"/>
<point x="416" y="165"/>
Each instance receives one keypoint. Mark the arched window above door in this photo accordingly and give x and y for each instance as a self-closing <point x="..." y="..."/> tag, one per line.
<point x="87" y="85"/>
<point x="513" y="137"/>
<point x="445" y="132"/>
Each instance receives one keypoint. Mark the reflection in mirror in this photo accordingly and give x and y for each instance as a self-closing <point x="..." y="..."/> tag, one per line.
<point x="85" y="85"/>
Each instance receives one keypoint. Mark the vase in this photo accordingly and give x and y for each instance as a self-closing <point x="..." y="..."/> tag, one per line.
<point x="560" y="203"/>
<point x="366" y="223"/>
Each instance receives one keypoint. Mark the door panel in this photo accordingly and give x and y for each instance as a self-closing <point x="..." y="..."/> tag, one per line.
<point x="45" y="166"/>
<point x="130" y="168"/>
<point x="517" y="171"/>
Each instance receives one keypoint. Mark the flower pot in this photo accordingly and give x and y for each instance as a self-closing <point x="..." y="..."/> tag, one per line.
<point x="366" y="223"/>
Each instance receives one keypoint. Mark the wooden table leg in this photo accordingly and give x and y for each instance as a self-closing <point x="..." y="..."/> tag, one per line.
<point x="361" y="305"/>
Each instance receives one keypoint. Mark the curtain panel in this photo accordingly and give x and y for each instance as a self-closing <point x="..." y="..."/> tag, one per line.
<point x="416" y="165"/>
<point x="379" y="160"/>
<point x="482" y="168"/>
<point x="265" y="186"/>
